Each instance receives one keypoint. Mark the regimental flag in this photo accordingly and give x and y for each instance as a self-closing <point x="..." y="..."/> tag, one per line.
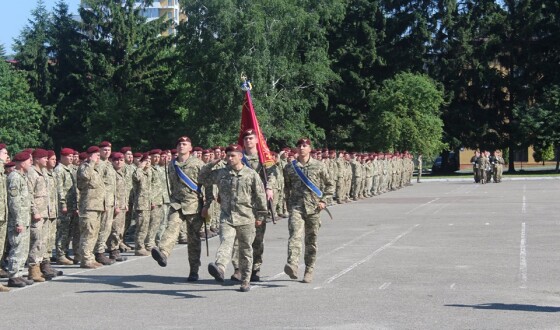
<point x="249" y="121"/>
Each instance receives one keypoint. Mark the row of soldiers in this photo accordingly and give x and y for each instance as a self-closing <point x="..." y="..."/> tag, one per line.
<point x="133" y="192"/>
<point x="487" y="165"/>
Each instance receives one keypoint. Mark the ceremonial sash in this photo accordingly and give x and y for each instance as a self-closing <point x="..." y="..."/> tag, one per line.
<point x="306" y="180"/>
<point x="246" y="161"/>
<point x="184" y="177"/>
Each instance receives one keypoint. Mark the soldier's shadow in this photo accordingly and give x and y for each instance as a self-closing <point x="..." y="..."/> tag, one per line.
<point x="132" y="284"/>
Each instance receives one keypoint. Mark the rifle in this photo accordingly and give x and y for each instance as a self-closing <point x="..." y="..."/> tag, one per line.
<point x="200" y="206"/>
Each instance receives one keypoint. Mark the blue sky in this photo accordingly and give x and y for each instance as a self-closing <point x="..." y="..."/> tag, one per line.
<point x="14" y="15"/>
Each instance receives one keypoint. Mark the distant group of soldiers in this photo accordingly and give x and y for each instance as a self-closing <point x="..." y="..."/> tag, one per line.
<point x="487" y="166"/>
<point x="84" y="206"/>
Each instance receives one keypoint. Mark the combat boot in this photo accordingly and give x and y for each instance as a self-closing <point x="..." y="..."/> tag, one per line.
<point x="27" y="281"/>
<point x="64" y="261"/>
<point x="35" y="274"/>
<point x="236" y="277"/>
<point x="291" y="271"/>
<point x="256" y="275"/>
<point x="245" y="287"/>
<point x="116" y="255"/>
<point x="141" y="253"/>
<point x="308" y="275"/>
<point x="16" y="282"/>
<point x="217" y="271"/>
<point x="4" y="274"/>
<point x="159" y="257"/>
<point x="193" y="274"/>
<point x="102" y="259"/>
<point x="48" y="271"/>
<point x="4" y="288"/>
<point x="89" y="265"/>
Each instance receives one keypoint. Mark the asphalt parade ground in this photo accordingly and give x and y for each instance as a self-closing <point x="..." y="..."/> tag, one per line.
<point x="436" y="255"/>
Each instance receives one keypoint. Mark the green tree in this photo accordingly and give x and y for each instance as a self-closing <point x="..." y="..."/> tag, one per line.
<point x="406" y="115"/>
<point x="20" y="113"/>
<point x="2" y="52"/>
<point x="126" y="77"/>
<point x="281" y="45"/>
<point x="352" y="50"/>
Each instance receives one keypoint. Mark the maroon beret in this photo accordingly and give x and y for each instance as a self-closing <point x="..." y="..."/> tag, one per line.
<point x="40" y="153"/>
<point x="301" y="141"/>
<point x="173" y="151"/>
<point x="183" y="139"/>
<point x="51" y="153"/>
<point x="234" y="147"/>
<point x="145" y="156"/>
<point x="10" y="164"/>
<point x="92" y="149"/>
<point x="206" y="151"/>
<point x="104" y="144"/>
<point x="124" y="150"/>
<point x="117" y="156"/>
<point x="155" y="152"/>
<point x="197" y="149"/>
<point x="137" y="155"/>
<point x="22" y="156"/>
<point x="166" y="151"/>
<point x="76" y="153"/>
<point x="83" y="155"/>
<point x="248" y="132"/>
<point x="66" y="152"/>
<point x="3" y="146"/>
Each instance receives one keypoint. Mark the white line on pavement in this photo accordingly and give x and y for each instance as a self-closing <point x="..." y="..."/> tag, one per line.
<point x="523" y="258"/>
<point x="374" y="253"/>
<point x="384" y="286"/>
<point x="524" y="205"/>
<point x="452" y="286"/>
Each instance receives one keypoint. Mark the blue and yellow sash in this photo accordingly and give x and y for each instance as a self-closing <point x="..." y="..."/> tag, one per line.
<point x="306" y="180"/>
<point x="184" y="177"/>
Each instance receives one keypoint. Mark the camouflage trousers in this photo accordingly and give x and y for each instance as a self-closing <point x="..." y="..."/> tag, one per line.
<point x="68" y="230"/>
<point x="299" y="225"/>
<point x="375" y="185"/>
<point x="243" y="236"/>
<point x="193" y="223"/>
<point x="214" y="214"/>
<point x="38" y="234"/>
<point x="117" y="231"/>
<point x="163" y="223"/>
<point x="3" y="235"/>
<point x="156" y="216"/>
<point x="258" y="248"/>
<point x="183" y="235"/>
<point x="142" y="227"/>
<point x="340" y="189"/>
<point x="368" y="186"/>
<point x="104" y="229"/>
<point x="90" y="222"/>
<point x="19" y="251"/>
<point x="50" y="238"/>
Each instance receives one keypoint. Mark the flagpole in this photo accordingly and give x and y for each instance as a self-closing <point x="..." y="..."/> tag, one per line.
<point x="246" y="87"/>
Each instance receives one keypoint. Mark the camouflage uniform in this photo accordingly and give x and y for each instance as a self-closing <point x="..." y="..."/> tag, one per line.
<point x="142" y="180"/>
<point x="19" y="213"/>
<point x="156" y="213"/>
<point x="166" y="202"/>
<point x="184" y="207"/>
<point x="121" y="204"/>
<point x="50" y="239"/>
<point x="109" y="179"/>
<point x="129" y="218"/>
<point x="38" y="187"/>
<point x="242" y="197"/>
<point x="356" y="178"/>
<point x="91" y="205"/>
<point x="340" y="177"/>
<point x="258" y="243"/>
<point x="3" y="210"/>
<point x="304" y="213"/>
<point x="68" y="226"/>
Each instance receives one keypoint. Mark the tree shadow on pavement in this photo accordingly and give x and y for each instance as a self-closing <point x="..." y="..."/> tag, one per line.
<point x="512" y="307"/>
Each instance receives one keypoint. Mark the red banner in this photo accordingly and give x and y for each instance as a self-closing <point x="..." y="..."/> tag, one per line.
<point x="249" y="121"/>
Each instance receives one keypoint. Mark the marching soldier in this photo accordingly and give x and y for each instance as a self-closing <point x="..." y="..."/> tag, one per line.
<point x="302" y="179"/>
<point x="185" y="207"/>
<point x="121" y="207"/>
<point x="238" y="220"/>
<point x="109" y="180"/>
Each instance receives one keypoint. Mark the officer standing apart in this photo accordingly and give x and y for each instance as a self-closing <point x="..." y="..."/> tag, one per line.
<point x="303" y="177"/>
<point x="184" y="207"/>
<point x="243" y="209"/>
